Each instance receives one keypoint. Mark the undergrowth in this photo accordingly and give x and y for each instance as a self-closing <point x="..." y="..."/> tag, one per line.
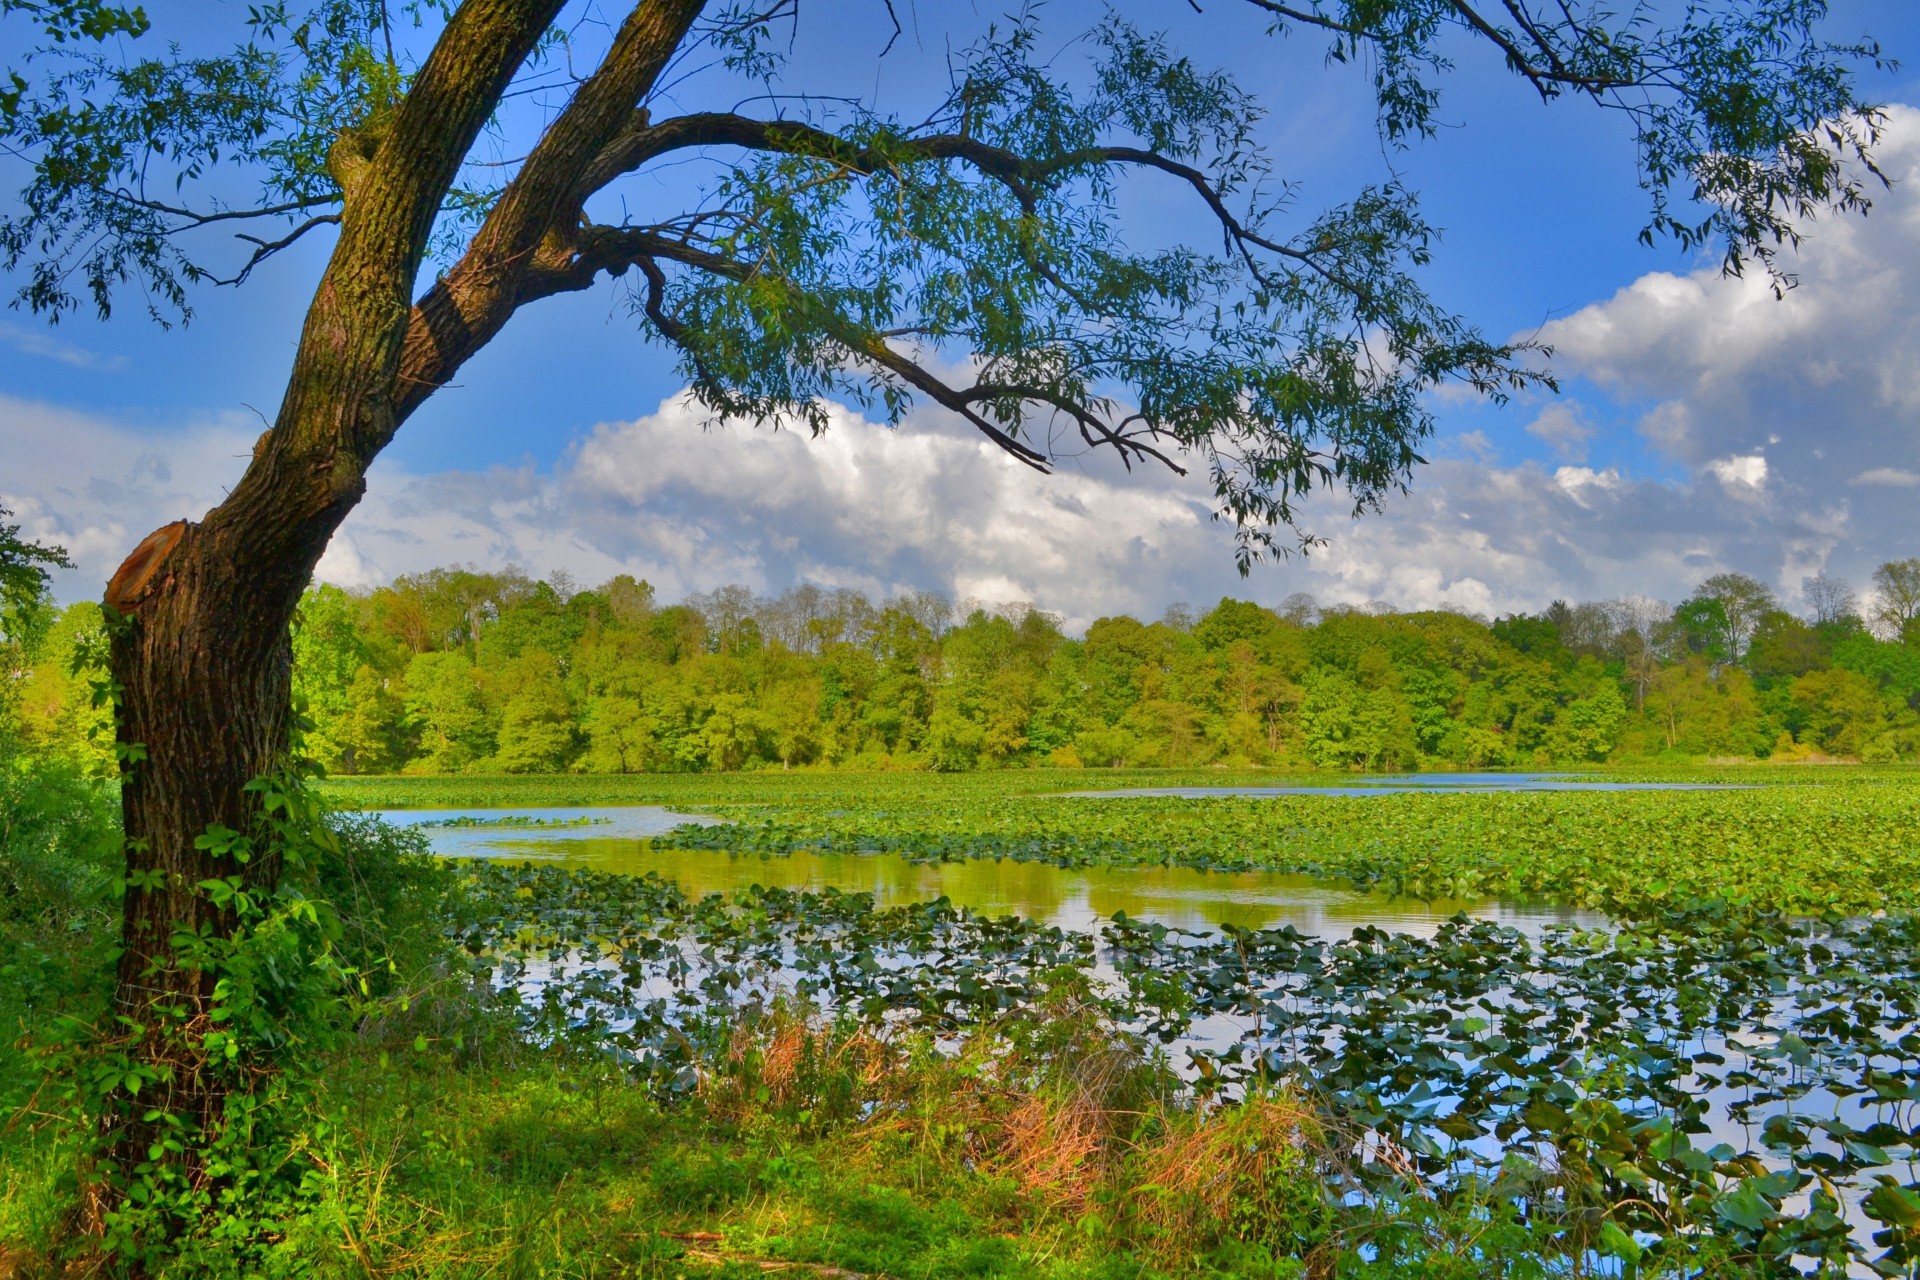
<point x="1046" y="1144"/>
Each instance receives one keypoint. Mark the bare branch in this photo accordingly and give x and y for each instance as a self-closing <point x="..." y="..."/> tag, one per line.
<point x="195" y="218"/>
<point x="267" y="248"/>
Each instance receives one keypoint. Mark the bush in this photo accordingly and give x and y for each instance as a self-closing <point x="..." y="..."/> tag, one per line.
<point x="59" y="833"/>
<point x="390" y="893"/>
<point x="58" y="836"/>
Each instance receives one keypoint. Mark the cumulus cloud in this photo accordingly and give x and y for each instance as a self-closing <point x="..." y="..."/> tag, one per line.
<point x="97" y="487"/>
<point x="1804" y="407"/>
<point x="862" y="506"/>
<point x="926" y="505"/>
<point x="1748" y="472"/>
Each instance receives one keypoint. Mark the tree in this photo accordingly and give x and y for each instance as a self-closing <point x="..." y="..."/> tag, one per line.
<point x="1896" y="589"/>
<point x="1643" y="631"/>
<point x="830" y="255"/>
<point x="536" y="722"/>
<point x="1782" y="645"/>
<point x="328" y="652"/>
<point x="442" y="695"/>
<point x="24" y="574"/>
<point x="1743" y="603"/>
<point x="1828" y="598"/>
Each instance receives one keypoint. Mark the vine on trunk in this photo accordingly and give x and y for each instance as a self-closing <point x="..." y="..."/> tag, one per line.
<point x="195" y="1114"/>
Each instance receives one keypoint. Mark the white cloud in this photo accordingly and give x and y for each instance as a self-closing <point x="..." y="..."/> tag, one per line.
<point x="1748" y="471"/>
<point x="1893" y="477"/>
<point x="1564" y="425"/>
<point x="1786" y="404"/>
<point x="38" y="341"/>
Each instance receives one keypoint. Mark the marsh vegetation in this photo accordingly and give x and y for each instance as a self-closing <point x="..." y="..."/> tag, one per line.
<point x="1709" y="1068"/>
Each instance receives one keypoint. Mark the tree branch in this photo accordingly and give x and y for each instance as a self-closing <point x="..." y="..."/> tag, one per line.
<point x="267" y="248"/>
<point x="194" y="218"/>
<point x="644" y="141"/>
<point x="615" y="249"/>
<point x="336" y="414"/>
<point x="537" y="214"/>
<point x="647" y="141"/>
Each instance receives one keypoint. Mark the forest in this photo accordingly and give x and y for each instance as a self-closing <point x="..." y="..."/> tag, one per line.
<point x="457" y="670"/>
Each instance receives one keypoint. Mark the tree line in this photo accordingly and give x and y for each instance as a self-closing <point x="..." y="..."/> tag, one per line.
<point x="457" y="670"/>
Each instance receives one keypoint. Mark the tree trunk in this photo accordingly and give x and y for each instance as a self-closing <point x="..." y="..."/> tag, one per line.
<point x="203" y="666"/>
<point x="200" y="649"/>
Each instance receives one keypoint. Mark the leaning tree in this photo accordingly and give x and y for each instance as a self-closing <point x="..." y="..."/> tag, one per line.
<point x="466" y="159"/>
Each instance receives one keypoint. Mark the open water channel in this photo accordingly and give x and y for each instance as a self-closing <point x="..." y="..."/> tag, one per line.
<point x="1078" y="898"/>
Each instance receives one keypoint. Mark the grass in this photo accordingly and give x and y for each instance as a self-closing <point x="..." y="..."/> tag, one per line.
<point x="1046" y="1145"/>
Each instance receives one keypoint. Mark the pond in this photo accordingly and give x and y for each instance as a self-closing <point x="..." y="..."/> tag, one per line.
<point x="1076" y="898"/>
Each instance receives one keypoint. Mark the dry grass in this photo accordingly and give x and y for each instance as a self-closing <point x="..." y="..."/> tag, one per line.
<point x="791" y="1060"/>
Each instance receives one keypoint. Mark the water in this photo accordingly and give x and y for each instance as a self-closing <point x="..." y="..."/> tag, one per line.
<point x="1078" y="898"/>
<point x="1419" y="783"/>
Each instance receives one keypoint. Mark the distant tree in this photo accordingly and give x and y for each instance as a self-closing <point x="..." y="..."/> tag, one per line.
<point x="441" y="693"/>
<point x="1840" y="711"/>
<point x="1782" y="645"/>
<point x="329" y="648"/>
<point x="1537" y="636"/>
<point x="370" y="736"/>
<point x="52" y="704"/>
<point x="933" y="610"/>
<point x="1643" y="632"/>
<point x="732" y="626"/>
<point x="1588" y="729"/>
<point x="26" y="606"/>
<point x="1589" y="628"/>
<point x="953" y="740"/>
<point x="791" y="713"/>
<point x="1700" y="625"/>
<point x="1828" y="598"/>
<point x="25" y="566"/>
<point x="1896" y="590"/>
<point x="1300" y="608"/>
<point x="536" y="732"/>
<point x="630" y="602"/>
<point x="1234" y="622"/>
<point x="1743" y="602"/>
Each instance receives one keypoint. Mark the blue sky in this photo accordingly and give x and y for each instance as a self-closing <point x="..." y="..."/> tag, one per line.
<point x="1540" y="210"/>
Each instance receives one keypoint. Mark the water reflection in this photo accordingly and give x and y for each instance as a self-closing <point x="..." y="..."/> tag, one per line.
<point x="1079" y="898"/>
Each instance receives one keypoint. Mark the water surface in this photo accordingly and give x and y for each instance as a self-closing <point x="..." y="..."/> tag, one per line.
<point x="1079" y="898"/>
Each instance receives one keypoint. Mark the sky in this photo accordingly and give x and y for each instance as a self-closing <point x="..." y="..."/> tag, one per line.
<point x="1702" y="425"/>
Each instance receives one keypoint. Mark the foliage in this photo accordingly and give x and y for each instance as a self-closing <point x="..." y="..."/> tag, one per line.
<point x="24" y="567"/>
<point x="460" y="671"/>
<point x="1051" y="1142"/>
<point x="355" y="928"/>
